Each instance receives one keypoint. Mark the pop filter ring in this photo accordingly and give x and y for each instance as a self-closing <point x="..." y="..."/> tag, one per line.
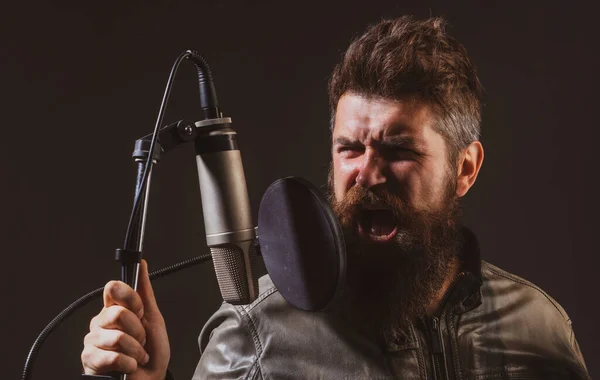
<point x="308" y="190"/>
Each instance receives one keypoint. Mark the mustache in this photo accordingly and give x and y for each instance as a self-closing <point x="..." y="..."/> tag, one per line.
<point x="357" y="198"/>
<point x="420" y="227"/>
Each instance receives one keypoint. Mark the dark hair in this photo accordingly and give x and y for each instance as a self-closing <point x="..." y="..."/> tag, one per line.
<point x="405" y="57"/>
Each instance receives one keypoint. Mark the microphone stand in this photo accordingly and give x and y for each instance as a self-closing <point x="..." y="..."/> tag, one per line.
<point x="159" y="141"/>
<point x="147" y="152"/>
<point x="130" y="257"/>
<point x="169" y="137"/>
<point x="130" y="265"/>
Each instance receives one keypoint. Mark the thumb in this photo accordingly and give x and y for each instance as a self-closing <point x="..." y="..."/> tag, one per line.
<point x="146" y="292"/>
<point x="157" y="344"/>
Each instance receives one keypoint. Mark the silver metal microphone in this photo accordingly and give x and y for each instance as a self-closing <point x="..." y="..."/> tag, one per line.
<point x="230" y="234"/>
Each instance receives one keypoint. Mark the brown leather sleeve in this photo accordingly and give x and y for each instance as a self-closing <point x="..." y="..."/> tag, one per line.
<point x="227" y="344"/>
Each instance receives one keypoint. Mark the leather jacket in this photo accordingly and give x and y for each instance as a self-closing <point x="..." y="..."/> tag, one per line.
<point x="491" y="325"/>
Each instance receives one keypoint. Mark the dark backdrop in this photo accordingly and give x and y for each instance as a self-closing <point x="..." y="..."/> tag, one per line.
<point x="81" y="82"/>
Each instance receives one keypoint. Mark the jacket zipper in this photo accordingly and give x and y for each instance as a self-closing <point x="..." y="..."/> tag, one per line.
<point x="437" y="339"/>
<point x="437" y="350"/>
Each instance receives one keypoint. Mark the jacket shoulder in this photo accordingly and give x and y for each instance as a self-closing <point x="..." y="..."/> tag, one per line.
<point x="517" y="328"/>
<point x="229" y="342"/>
<point x="270" y="338"/>
<point x="501" y="281"/>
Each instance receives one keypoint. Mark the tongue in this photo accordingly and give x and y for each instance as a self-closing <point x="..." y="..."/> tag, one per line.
<point x="382" y="222"/>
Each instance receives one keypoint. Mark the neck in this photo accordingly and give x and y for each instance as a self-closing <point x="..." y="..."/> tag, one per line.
<point x="434" y="305"/>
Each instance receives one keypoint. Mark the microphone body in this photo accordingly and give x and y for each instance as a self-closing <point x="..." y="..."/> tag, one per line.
<point x="230" y="234"/>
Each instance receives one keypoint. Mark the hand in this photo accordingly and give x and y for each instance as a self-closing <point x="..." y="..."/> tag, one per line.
<point x="129" y="334"/>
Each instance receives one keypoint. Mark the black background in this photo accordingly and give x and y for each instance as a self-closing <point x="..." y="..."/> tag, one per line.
<point x="81" y="82"/>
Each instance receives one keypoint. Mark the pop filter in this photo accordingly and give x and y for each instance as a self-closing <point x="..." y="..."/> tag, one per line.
<point x="301" y="243"/>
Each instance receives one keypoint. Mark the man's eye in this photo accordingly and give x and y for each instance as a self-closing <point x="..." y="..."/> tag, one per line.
<point x="400" y="152"/>
<point x="350" y="149"/>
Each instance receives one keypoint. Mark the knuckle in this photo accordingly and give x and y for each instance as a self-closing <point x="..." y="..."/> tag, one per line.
<point x="97" y="361"/>
<point x="91" y="359"/>
<point x="86" y="357"/>
<point x="119" y="291"/>
<point x="130" y="366"/>
<point x="88" y="339"/>
<point x="118" y="339"/>
<point x="141" y="354"/>
<point x="93" y="323"/>
<point x="120" y="362"/>
<point x="113" y="358"/>
<point x="141" y="336"/>
<point x="112" y="288"/>
<point x="116" y="314"/>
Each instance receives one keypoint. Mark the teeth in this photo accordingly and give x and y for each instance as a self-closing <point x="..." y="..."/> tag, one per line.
<point x="378" y="237"/>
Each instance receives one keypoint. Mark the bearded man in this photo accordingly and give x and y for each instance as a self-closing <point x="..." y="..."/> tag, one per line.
<point x="419" y="302"/>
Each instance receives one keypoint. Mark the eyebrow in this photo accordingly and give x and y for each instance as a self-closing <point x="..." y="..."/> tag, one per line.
<point x="392" y="141"/>
<point x="345" y="141"/>
<point x="407" y="141"/>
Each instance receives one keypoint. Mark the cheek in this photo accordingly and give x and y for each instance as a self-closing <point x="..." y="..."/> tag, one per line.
<point x="424" y="189"/>
<point x="413" y="182"/>
<point x="344" y="173"/>
<point x="402" y="180"/>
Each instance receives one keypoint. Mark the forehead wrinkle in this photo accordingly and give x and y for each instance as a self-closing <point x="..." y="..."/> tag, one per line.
<point x="406" y="140"/>
<point x="379" y="119"/>
<point x="370" y="129"/>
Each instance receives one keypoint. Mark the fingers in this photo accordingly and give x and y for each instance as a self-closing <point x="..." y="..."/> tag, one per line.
<point x="117" y="336"/>
<point x="118" y="341"/>
<point x="119" y="333"/>
<point x="119" y="318"/>
<point x="119" y="293"/>
<point x="96" y="361"/>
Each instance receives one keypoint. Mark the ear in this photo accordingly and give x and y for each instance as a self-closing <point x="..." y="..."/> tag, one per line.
<point x="469" y="163"/>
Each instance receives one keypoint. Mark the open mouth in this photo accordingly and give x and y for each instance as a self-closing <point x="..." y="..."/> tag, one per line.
<point x="377" y="224"/>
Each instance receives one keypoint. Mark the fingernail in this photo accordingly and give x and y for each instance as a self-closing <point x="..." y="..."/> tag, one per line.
<point x="140" y="314"/>
<point x="146" y="359"/>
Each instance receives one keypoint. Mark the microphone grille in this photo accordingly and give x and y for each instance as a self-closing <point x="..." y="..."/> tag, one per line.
<point x="230" y="268"/>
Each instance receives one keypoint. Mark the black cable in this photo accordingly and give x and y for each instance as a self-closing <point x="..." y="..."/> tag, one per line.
<point x="210" y="107"/>
<point x="149" y="161"/>
<point x="208" y="94"/>
<point x="209" y="103"/>
<point x="84" y="300"/>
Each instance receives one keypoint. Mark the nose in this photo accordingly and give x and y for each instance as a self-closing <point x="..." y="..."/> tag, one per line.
<point x="371" y="172"/>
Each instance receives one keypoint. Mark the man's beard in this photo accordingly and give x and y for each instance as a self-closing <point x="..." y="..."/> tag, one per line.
<point x="391" y="284"/>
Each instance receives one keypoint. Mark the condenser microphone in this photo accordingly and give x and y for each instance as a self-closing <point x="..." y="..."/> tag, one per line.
<point x="230" y="234"/>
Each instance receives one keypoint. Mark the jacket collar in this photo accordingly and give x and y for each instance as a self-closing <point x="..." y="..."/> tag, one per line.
<point x="464" y="296"/>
